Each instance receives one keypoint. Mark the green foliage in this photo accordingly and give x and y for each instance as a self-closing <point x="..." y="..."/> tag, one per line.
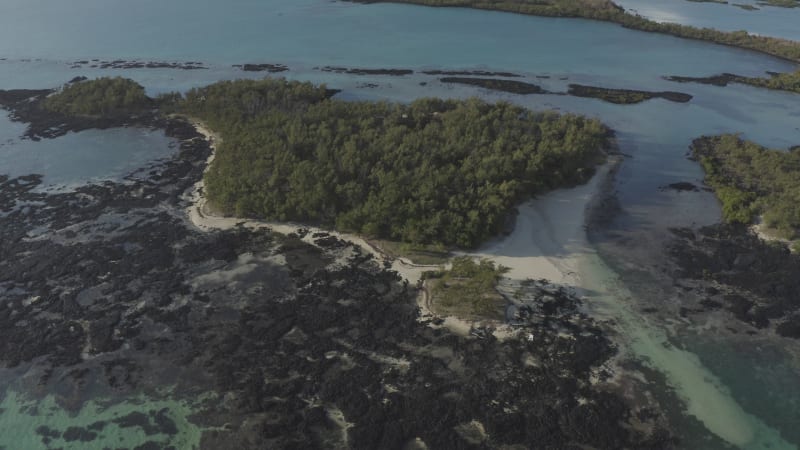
<point x="431" y="172"/>
<point x="781" y="3"/>
<point x="737" y="205"/>
<point x="751" y="180"/>
<point x="779" y="81"/>
<point x="100" y="97"/>
<point x="607" y="10"/>
<point x="468" y="288"/>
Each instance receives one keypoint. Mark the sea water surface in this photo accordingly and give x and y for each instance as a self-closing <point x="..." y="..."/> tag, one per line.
<point x="40" y="39"/>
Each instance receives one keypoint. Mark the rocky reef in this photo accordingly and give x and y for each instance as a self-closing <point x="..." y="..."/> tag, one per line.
<point x="757" y="281"/>
<point x="357" y="71"/>
<point x="264" y="67"/>
<point x="134" y="64"/>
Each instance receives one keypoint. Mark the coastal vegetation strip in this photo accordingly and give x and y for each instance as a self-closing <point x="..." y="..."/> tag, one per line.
<point x="777" y="81"/>
<point x="625" y="96"/>
<point x="608" y="11"/>
<point x="434" y="171"/>
<point x="752" y="181"/>
<point x="510" y="86"/>
<point x="618" y="96"/>
<point x="755" y="280"/>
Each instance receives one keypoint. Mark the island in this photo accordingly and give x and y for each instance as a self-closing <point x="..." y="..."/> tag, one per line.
<point x="625" y="96"/>
<point x="789" y="82"/>
<point x="445" y="172"/>
<point x="748" y="264"/>
<point x="753" y="183"/>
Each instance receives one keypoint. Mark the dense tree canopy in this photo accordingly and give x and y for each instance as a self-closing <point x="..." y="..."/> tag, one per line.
<point x="100" y="97"/>
<point x="751" y="180"/>
<point x="780" y="81"/>
<point x="434" y="171"/>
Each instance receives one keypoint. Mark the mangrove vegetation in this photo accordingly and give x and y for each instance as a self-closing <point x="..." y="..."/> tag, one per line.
<point x="752" y="181"/>
<point x="625" y="96"/>
<point x="100" y="97"/>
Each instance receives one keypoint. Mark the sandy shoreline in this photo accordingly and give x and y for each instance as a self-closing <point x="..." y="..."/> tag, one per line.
<point x="549" y="239"/>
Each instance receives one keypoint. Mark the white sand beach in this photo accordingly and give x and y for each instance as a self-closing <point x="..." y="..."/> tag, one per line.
<point x="549" y="238"/>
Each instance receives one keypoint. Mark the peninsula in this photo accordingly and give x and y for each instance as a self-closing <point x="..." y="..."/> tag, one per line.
<point x="608" y="11"/>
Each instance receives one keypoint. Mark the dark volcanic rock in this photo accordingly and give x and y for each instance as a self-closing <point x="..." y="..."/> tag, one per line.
<point x="682" y="186"/>
<point x="73" y="434"/>
<point x="790" y="327"/>
<point x="123" y="64"/>
<point x="715" y="80"/>
<point x="761" y="279"/>
<point x="476" y="73"/>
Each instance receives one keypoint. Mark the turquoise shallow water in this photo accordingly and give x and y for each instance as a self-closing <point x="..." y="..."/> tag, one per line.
<point x="22" y="422"/>
<point x="40" y="37"/>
